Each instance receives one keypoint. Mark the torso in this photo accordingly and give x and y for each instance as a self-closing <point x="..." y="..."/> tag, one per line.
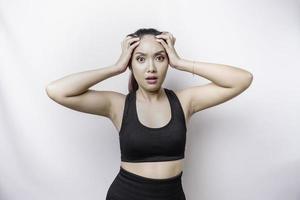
<point x="158" y="170"/>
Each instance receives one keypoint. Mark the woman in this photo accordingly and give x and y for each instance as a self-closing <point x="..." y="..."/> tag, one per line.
<point x="151" y="120"/>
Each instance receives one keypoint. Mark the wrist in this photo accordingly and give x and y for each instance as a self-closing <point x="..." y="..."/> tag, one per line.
<point x="185" y="65"/>
<point x="116" y="69"/>
<point x="179" y="64"/>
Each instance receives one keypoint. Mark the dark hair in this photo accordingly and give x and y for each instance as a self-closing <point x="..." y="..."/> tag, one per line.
<point x="132" y="84"/>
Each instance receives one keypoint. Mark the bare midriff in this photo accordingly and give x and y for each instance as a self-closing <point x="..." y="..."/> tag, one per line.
<point x="155" y="170"/>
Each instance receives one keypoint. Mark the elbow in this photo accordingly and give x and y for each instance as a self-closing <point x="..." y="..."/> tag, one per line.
<point x="244" y="81"/>
<point x="247" y="80"/>
<point x="51" y="92"/>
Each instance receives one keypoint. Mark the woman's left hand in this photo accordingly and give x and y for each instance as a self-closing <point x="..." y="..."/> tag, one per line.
<point x="169" y="47"/>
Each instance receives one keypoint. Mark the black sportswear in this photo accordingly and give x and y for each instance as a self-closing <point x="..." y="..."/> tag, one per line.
<point x="140" y="143"/>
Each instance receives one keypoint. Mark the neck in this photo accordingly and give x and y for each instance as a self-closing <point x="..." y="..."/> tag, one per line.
<point x="150" y="96"/>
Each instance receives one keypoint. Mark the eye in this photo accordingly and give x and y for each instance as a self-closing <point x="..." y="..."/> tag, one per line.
<point x="161" y="57"/>
<point x="139" y="58"/>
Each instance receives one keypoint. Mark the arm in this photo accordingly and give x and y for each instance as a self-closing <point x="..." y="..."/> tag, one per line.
<point x="73" y="91"/>
<point x="227" y="82"/>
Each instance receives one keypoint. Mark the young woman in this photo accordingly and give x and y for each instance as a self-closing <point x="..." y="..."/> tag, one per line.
<point x="151" y="120"/>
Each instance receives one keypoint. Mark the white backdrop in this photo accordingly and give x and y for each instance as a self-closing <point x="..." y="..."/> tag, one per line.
<point x="244" y="149"/>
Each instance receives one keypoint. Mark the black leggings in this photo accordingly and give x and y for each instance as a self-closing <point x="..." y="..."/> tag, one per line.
<point x="130" y="186"/>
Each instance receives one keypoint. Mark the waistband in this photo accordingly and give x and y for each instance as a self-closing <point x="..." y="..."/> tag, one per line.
<point x="136" y="177"/>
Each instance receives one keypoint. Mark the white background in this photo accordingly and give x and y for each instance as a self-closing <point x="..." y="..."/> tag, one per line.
<point x="244" y="149"/>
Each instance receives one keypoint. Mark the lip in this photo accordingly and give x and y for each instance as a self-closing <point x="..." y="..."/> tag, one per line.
<point x="151" y="77"/>
<point x="152" y="81"/>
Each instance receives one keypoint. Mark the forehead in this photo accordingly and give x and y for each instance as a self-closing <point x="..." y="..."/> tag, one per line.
<point x="148" y="45"/>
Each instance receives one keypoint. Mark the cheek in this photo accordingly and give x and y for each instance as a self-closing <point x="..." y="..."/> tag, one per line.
<point x="136" y="66"/>
<point x="138" y="70"/>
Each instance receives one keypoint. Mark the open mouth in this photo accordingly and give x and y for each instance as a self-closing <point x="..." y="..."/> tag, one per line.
<point x="151" y="80"/>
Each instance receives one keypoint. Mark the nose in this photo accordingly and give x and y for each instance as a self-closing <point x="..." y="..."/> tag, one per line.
<point x="151" y="66"/>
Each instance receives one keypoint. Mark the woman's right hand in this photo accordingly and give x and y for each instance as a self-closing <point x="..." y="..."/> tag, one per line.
<point x="128" y="44"/>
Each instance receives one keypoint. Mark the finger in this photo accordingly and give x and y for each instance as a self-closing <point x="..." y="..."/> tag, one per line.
<point x="134" y="45"/>
<point x="131" y="40"/>
<point x="165" y="32"/>
<point x="172" y="39"/>
<point x="165" y="45"/>
<point x="128" y="37"/>
<point x="168" y="33"/>
<point x="166" y="38"/>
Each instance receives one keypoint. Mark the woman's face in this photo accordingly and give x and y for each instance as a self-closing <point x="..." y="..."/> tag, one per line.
<point x="149" y="58"/>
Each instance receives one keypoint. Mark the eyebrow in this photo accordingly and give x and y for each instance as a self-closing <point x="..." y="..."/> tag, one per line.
<point x="162" y="51"/>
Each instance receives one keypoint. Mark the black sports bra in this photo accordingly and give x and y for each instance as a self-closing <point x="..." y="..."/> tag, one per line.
<point x="140" y="143"/>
